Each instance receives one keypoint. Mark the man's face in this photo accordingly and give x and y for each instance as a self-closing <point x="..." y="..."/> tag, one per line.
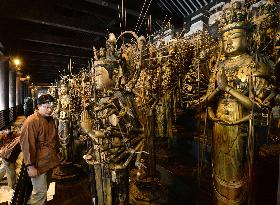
<point x="45" y="109"/>
<point x="234" y="42"/>
<point x="102" y="79"/>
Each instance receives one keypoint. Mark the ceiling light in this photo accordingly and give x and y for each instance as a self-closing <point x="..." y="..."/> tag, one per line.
<point x="17" y="61"/>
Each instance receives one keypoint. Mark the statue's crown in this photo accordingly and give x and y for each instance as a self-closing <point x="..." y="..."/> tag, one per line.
<point x="234" y="16"/>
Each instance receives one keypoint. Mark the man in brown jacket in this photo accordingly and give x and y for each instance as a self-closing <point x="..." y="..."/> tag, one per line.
<point x="39" y="143"/>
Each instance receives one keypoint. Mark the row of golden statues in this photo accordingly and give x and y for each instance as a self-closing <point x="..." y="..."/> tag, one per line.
<point x="133" y="88"/>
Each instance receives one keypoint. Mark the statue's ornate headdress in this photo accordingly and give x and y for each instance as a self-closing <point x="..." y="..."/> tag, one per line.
<point x="64" y="82"/>
<point x="112" y="38"/>
<point x="234" y="16"/>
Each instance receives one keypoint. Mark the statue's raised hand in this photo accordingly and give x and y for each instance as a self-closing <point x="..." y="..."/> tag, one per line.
<point x="86" y="123"/>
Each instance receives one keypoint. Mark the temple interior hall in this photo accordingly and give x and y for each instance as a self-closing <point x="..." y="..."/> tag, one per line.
<point x="140" y="102"/>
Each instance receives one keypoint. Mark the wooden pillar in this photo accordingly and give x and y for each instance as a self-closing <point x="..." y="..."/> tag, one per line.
<point x="12" y="88"/>
<point x="19" y="102"/>
<point x="4" y="83"/>
<point x="23" y="93"/>
<point x="18" y="89"/>
<point x="12" y="93"/>
<point x="4" y="90"/>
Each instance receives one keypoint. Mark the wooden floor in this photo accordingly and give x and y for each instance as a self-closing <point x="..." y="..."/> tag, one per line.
<point x="72" y="193"/>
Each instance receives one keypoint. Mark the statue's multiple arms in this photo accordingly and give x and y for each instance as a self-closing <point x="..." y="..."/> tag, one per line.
<point x="86" y="125"/>
<point x="211" y="94"/>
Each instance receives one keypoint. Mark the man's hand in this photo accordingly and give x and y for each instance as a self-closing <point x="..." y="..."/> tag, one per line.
<point x="32" y="171"/>
<point x="86" y="122"/>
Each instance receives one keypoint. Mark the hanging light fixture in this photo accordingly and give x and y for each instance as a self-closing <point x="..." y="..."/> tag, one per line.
<point x="17" y="61"/>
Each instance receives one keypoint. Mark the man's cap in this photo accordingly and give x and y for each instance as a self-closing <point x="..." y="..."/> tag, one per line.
<point x="45" y="98"/>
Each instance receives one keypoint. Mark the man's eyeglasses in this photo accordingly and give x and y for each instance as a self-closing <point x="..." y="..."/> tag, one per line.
<point x="47" y="106"/>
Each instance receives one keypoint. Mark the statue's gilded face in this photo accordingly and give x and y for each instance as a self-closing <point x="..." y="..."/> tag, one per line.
<point x="63" y="89"/>
<point x="102" y="52"/>
<point x="102" y="79"/>
<point x="234" y="42"/>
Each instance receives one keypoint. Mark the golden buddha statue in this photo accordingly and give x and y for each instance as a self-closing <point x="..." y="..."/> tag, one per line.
<point x="240" y="87"/>
<point x="64" y="128"/>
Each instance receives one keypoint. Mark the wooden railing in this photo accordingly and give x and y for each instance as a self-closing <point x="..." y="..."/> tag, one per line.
<point x="7" y="116"/>
<point x="4" y="118"/>
<point x="13" y="114"/>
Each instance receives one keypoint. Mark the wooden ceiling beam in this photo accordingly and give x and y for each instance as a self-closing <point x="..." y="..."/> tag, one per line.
<point x="44" y="13"/>
<point x="57" y="25"/>
<point x="55" y="44"/>
<point x="54" y="54"/>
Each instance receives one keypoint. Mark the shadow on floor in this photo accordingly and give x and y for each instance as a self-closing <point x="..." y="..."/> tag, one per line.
<point x="72" y="193"/>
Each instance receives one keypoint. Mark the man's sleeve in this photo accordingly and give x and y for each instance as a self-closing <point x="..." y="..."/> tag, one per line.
<point x="28" y="143"/>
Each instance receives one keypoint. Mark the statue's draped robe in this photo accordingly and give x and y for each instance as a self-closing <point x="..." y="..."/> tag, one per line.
<point x="230" y="141"/>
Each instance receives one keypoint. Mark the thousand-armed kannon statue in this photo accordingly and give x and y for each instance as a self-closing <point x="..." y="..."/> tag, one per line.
<point x="240" y="92"/>
<point x="113" y="127"/>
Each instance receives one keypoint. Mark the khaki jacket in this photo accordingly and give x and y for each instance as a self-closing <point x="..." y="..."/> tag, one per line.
<point x="39" y="142"/>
